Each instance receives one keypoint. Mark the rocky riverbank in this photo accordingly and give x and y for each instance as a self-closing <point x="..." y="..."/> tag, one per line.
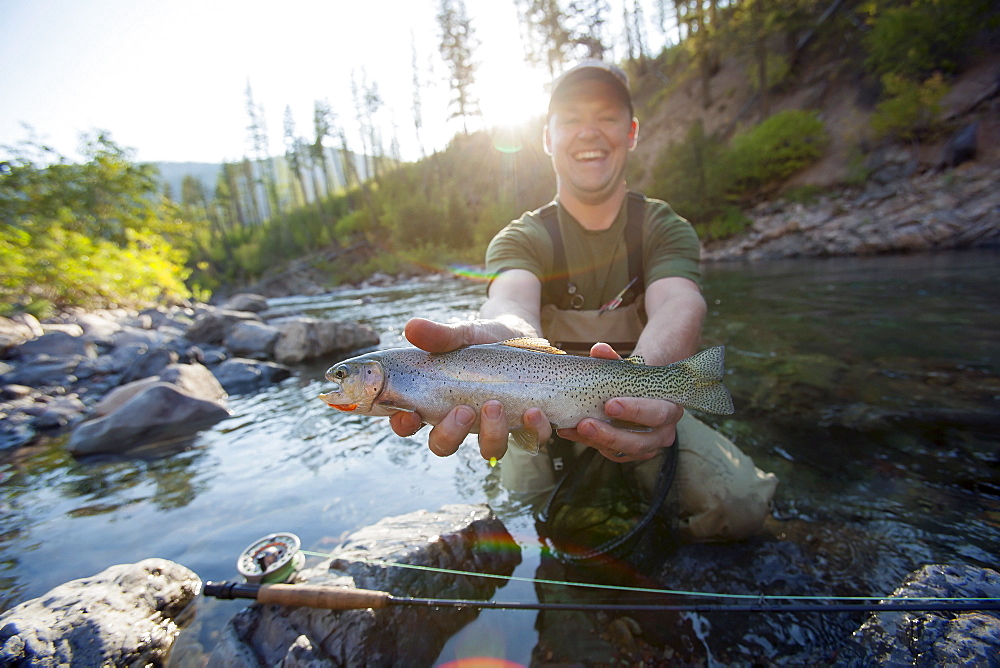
<point x="897" y="211"/>
<point x="121" y="379"/>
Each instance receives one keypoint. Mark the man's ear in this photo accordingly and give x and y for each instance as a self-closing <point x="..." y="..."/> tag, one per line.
<point x="633" y="135"/>
<point x="546" y="141"/>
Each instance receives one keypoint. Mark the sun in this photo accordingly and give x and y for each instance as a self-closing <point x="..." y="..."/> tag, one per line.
<point x="511" y="93"/>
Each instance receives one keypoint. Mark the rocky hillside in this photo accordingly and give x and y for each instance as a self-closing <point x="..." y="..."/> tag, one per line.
<point x="866" y="197"/>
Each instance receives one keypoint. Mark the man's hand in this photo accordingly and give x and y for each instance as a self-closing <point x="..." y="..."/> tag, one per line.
<point x="661" y="416"/>
<point x="447" y="436"/>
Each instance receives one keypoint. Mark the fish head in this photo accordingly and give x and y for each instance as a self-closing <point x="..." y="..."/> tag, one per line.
<point x="356" y="384"/>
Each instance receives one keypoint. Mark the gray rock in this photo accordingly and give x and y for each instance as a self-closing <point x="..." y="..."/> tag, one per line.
<point x="245" y="301"/>
<point x="97" y="327"/>
<point x="58" y="344"/>
<point x="126" y="615"/>
<point x="60" y="412"/>
<point x="72" y="329"/>
<point x="239" y="376"/>
<point x="151" y="338"/>
<point x="148" y="363"/>
<point x="182" y="401"/>
<point x="250" y="338"/>
<point x="453" y="537"/>
<point x="13" y="333"/>
<point x="16" y="431"/>
<point x="45" y="372"/>
<point x="934" y="638"/>
<point x="117" y="397"/>
<point x="306" y="338"/>
<point x="194" y="379"/>
<point x="212" y="326"/>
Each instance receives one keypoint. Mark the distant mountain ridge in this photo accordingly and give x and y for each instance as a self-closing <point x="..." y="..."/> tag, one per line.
<point x="172" y="175"/>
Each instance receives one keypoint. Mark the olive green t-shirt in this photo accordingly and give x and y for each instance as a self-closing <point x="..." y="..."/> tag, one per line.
<point x="598" y="260"/>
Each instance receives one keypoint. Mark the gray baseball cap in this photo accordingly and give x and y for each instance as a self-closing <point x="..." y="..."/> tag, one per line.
<point x="593" y="69"/>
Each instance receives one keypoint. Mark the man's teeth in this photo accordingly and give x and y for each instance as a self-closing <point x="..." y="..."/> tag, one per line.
<point x="589" y="155"/>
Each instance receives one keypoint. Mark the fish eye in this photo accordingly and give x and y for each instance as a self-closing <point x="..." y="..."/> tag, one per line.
<point x="340" y="373"/>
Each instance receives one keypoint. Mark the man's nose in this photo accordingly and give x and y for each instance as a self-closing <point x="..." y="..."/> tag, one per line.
<point x="588" y="130"/>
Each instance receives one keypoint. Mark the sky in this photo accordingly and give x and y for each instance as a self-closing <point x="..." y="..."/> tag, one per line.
<point x="168" y="78"/>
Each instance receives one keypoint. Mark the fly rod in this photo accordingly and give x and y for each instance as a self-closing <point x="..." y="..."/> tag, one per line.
<point x="347" y="598"/>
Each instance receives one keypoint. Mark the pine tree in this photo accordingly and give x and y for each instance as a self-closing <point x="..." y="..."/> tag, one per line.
<point x="458" y="44"/>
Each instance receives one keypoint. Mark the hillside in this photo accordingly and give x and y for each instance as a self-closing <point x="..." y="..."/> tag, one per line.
<point x="831" y="84"/>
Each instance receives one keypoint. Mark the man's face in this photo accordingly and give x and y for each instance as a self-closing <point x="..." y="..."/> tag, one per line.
<point x="589" y="135"/>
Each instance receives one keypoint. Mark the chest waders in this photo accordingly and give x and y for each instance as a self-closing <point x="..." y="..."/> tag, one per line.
<point x="598" y="508"/>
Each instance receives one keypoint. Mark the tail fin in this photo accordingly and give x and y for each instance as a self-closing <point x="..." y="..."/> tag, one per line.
<point x="705" y="372"/>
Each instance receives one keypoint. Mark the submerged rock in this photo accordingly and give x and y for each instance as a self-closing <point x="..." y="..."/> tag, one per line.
<point x="126" y="615"/>
<point x="455" y="537"/>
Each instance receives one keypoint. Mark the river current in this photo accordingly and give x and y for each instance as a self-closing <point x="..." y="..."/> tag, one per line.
<point x="870" y="386"/>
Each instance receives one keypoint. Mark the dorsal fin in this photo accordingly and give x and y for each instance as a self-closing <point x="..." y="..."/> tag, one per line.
<point x="530" y="343"/>
<point x="635" y="359"/>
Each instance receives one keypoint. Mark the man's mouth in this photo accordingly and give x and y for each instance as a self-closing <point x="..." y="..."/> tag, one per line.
<point x="591" y="154"/>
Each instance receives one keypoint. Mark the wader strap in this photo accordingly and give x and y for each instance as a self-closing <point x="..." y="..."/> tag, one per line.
<point x="556" y="288"/>
<point x="559" y="289"/>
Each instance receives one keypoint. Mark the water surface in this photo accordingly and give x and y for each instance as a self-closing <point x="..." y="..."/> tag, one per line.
<point x="871" y="386"/>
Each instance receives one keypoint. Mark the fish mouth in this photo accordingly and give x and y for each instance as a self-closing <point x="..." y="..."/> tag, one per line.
<point x="334" y="399"/>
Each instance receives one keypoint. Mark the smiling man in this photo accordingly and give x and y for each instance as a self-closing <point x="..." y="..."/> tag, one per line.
<point x="602" y="271"/>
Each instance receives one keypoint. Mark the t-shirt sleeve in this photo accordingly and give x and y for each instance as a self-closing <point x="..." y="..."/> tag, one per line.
<point x="523" y="244"/>
<point x="672" y="247"/>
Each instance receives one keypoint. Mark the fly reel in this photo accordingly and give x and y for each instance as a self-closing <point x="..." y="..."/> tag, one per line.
<point x="272" y="559"/>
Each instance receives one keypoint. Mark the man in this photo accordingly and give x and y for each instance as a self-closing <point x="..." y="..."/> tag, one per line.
<point x="589" y="133"/>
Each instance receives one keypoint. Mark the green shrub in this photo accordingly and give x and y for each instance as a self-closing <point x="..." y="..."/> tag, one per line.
<point x="730" y="222"/>
<point x="777" y="148"/>
<point x="915" y="38"/>
<point x="910" y="109"/>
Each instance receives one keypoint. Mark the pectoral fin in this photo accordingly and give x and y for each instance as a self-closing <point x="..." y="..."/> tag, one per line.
<point x="526" y="440"/>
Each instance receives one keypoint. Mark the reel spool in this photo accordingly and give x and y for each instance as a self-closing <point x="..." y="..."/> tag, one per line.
<point x="272" y="559"/>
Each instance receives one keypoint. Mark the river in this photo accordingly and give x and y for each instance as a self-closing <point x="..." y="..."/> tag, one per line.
<point x="870" y="386"/>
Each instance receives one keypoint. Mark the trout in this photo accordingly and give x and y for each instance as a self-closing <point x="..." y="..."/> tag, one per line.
<point x="520" y="373"/>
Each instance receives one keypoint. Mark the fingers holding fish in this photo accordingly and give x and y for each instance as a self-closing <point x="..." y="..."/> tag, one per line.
<point x="447" y="435"/>
<point x="405" y="423"/>
<point x="643" y="411"/>
<point x="536" y="423"/>
<point x="620" y="445"/>
<point x="493" y="430"/>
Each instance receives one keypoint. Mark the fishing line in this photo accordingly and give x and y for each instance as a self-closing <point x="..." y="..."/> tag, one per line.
<point x="761" y="599"/>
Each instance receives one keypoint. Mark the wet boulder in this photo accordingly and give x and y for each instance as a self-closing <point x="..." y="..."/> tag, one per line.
<point x="127" y="615"/>
<point x="240" y="376"/>
<point x="250" y="338"/>
<point x="934" y="638"/>
<point x="245" y="301"/>
<point x="15" y="331"/>
<point x="177" y="404"/>
<point x="307" y="338"/>
<point x="213" y="325"/>
<point x="460" y="537"/>
<point x="58" y="343"/>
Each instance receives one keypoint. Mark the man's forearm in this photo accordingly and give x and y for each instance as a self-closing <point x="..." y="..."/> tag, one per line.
<point x="512" y="315"/>
<point x="674" y="327"/>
